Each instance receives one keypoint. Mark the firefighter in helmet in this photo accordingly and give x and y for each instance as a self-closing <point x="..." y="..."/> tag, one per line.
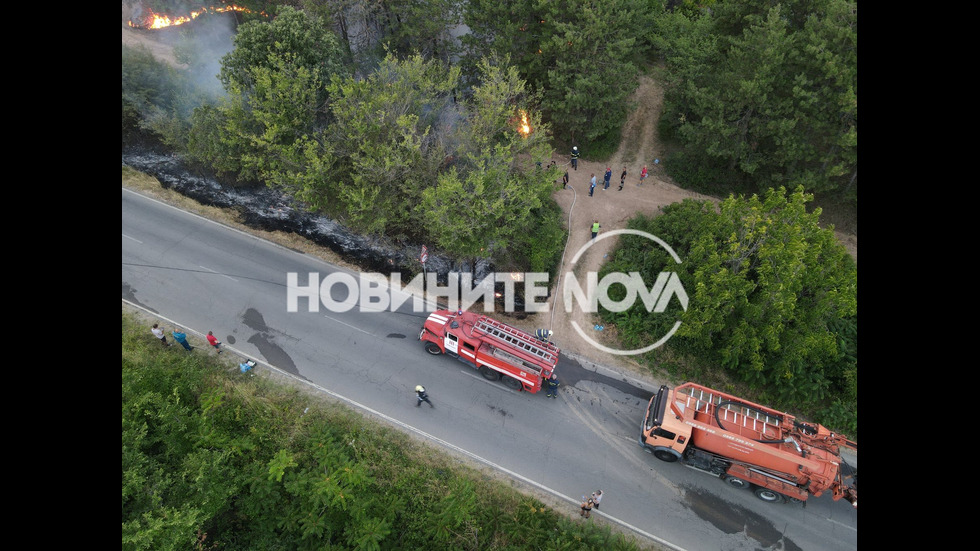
<point x="422" y="396"/>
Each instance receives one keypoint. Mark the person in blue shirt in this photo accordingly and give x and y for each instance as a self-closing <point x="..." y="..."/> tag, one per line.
<point x="181" y="337"/>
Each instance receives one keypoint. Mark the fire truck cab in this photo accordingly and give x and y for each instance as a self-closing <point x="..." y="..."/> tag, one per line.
<point x="497" y="350"/>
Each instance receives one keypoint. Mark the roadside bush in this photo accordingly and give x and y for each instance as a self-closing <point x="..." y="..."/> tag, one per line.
<point x="539" y="248"/>
<point x="149" y="89"/>
<point x="211" y="460"/>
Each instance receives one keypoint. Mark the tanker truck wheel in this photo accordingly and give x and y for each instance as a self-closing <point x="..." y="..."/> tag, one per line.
<point x="665" y="455"/>
<point x="736" y="482"/>
<point x="765" y="494"/>
<point x="433" y="348"/>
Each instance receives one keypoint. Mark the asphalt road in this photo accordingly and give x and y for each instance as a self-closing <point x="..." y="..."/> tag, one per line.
<point x="205" y="276"/>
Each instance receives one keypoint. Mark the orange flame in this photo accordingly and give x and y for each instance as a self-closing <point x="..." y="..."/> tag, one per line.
<point x="524" y="128"/>
<point x="160" y="21"/>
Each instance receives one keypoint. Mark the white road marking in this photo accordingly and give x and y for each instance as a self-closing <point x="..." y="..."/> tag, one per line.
<point x="216" y="272"/>
<point x="842" y="524"/>
<point x="349" y="325"/>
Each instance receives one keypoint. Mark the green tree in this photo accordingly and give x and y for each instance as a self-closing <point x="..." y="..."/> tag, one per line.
<point x="370" y="29"/>
<point x="766" y="286"/>
<point x="488" y="196"/>
<point x="270" y="127"/>
<point x="291" y="32"/>
<point x="514" y="29"/>
<point x="285" y="149"/>
<point x="593" y="70"/>
<point x="157" y="100"/>
<point x="390" y="131"/>
<point x="765" y="92"/>
<point x="581" y="55"/>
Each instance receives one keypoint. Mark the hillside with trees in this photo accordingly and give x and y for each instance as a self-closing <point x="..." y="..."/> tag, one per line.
<point x="434" y="121"/>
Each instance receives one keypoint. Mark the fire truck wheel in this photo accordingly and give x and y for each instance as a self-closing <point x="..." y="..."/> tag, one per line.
<point x="765" y="494"/>
<point x="513" y="383"/>
<point x="736" y="482"/>
<point x="433" y="348"/>
<point x="489" y="374"/>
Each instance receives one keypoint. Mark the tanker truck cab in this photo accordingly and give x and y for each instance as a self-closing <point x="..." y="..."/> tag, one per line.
<point x="748" y="445"/>
<point x="664" y="434"/>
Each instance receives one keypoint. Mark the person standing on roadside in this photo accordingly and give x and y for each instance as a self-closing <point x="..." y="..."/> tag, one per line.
<point x="592" y="185"/>
<point x="181" y="337"/>
<point x="643" y="174"/>
<point x="564" y="180"/>
<point x="552" y="384"/>
<point x="575" y="157"/>
<point x="622" y="179"/>
<point x="595" y="228"/>
<point x="213" y="341"/>
<point x="158" y="333"/>
<point x="606" y="178"/>
<point x="586" y="509"/>
<point x="596" y="498"/>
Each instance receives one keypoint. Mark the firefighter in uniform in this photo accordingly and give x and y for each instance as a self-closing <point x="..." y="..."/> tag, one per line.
<point x="552" y="384"/>
<point x="575" y="158"/>
<point x="422" y="396"/>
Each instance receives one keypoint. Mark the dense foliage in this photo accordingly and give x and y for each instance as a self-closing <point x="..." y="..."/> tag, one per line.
<point x="213" y="459"/>
<point x="762" y="94"/>
<point x="583" y="56"/>
<point x="402" y="151"/>
<point x="772" y="296"/>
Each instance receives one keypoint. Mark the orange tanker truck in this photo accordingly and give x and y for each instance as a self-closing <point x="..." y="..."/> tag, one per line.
<point x="748" y="445"/>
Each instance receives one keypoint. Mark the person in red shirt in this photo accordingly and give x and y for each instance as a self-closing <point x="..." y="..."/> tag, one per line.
<point x="214" y="341"/>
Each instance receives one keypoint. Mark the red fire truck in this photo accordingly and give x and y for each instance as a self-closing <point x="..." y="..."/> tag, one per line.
<point x="497" y="350"/>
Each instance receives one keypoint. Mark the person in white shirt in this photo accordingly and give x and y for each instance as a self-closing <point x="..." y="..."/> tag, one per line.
<point x="158" y="333"/>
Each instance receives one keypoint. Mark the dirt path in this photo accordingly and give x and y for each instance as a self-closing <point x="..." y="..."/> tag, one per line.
<point x="612" y="208"/>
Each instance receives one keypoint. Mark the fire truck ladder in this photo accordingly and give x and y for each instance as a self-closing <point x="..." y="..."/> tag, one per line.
<point x="516" y="337"/>
<point x="736" y="414"/>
